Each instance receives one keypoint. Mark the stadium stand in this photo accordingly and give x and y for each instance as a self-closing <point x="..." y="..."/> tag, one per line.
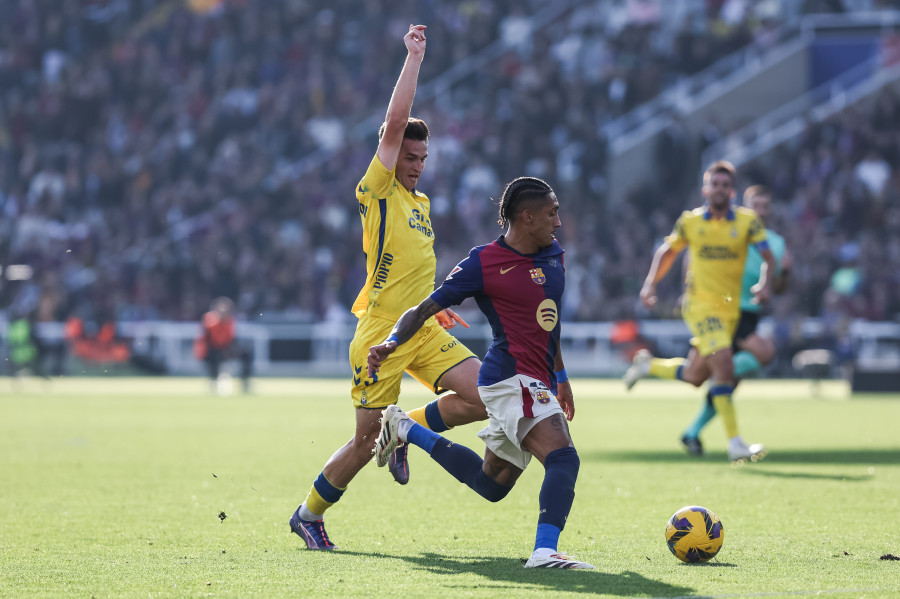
<point x="144" y="146"/>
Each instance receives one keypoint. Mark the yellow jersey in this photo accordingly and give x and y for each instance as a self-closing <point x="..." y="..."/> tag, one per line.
<point x="399" y="244"/>
<point x="718" y="251"/>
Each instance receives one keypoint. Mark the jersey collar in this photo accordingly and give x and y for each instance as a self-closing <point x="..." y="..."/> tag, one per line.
<point x="707" y="215"/>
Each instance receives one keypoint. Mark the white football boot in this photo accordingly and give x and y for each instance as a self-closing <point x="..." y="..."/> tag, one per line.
<point x="739" y="452"/>
<point x="389" y="438"/>
<point x="640" y="368"/>
<point x="548" y="558"/>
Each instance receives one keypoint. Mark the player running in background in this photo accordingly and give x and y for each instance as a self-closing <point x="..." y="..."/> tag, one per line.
<point x="751" y="350"/>
<point x="717" y="235"/>
<point x="400" y="269"/>
<point x="518" y="282"/>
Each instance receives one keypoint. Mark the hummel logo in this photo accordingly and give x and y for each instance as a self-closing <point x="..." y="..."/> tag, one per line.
<point x="503" y="271"/>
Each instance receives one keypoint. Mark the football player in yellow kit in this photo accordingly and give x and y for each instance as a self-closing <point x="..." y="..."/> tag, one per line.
<point x="398" y="241"/>
<point x="718" y="236"/>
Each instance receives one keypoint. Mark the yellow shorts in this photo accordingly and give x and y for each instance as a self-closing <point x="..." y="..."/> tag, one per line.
<point x="426" y="357"/>
<point x="712" y="329"/>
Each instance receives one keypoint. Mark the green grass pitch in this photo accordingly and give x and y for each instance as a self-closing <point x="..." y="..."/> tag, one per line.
<point x="114" y="487"/>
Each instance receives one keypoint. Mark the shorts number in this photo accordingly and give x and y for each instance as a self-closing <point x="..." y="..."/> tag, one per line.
<point x="709" y="324"/>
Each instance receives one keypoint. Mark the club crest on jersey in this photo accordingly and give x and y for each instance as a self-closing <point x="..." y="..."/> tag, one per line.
<point x="537" y="275"/>
<point x="542" y="396"/>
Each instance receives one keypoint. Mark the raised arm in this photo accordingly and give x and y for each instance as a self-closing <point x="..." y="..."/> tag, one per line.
<point x="402" y="98"/>
<point x="411" y="321"/>
<point x="662" y="262"/>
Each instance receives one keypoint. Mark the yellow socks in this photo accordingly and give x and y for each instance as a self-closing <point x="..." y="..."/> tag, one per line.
<point x="323" y="495"/>
<point x="667" y="368"/>
<point x="721" y="396"/>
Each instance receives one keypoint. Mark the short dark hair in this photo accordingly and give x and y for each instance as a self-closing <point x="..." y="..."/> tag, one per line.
<point x="517" y="192"/>
<point x="719" y="166"/>
<point x="756" y="190"/>
<point x="416" y="129"/>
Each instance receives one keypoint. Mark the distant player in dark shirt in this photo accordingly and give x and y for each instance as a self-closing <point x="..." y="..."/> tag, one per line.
<point x="517" y="281"/>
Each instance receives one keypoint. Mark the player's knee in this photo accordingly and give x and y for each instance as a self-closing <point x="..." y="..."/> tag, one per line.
<point x="491" y="489"/>
<point x="364" y="440"/>
<point x="692" y="378"/>
<point x="475" y="409"/>
<point x="766" y="354"/>
<point x="725" y="374"/>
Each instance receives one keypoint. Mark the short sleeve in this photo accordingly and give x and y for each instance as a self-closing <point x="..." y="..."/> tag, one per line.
<point x="677" y="239"/>
<point x="376" y="183"/>
<point x="756" y="232"/>
<point x="465" y="280"/>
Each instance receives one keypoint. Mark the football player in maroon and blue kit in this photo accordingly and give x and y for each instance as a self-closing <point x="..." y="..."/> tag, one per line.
<point x="518" y="282"/>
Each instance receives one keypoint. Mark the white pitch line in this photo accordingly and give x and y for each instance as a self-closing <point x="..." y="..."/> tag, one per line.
<point x="777" y="594"/>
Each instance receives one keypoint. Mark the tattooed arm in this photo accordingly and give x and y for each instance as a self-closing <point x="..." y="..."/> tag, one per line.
<point x="411" y="321"/>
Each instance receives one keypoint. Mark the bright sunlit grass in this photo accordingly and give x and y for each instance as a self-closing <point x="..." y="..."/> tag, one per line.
<point x="114" y="487"/>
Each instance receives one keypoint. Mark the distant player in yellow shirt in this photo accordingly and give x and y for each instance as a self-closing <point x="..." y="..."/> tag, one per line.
<point x="400" y="265"/>
<point x="718" y="236"/>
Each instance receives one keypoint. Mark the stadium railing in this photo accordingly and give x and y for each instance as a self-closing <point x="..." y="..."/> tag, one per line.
<point x="321" y="349"/>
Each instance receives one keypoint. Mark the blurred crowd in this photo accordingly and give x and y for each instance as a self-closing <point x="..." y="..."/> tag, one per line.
<point x="154" y="154"/>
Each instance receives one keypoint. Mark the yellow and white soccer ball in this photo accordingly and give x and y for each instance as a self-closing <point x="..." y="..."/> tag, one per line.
<point x="694" y="534"/>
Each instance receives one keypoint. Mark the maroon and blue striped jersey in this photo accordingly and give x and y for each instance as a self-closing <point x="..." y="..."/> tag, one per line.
<point x="521" y="296"/>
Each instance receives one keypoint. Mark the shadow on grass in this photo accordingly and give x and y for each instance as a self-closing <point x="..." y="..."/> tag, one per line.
<point x="509" y="574"/>
<point x="850" y="478"/>
<point x="791" y="456"/>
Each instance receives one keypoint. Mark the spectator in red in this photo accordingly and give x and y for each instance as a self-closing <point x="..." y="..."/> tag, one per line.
<point x="218" y="343"/>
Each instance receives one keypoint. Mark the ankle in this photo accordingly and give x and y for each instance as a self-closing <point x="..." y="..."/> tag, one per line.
<point x="403" y="428"/>
<point x="306" y="514"/>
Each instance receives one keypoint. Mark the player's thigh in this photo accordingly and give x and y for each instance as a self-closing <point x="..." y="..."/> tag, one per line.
<point x="721" y="363"/>
<point x="548" y="435"/>
<point x="383" y="388"/>
<point x="368" y="424"/>
<point x="437" y="355"/>
<point x="462" y="379"/>
<point x="762" y="348"/>
<point x="515" y="406"/>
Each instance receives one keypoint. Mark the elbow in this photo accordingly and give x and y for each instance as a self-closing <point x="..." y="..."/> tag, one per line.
<point x="395" y="121"/>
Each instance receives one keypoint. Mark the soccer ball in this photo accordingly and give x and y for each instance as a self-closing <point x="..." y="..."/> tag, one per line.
<point x="694" y="534"/>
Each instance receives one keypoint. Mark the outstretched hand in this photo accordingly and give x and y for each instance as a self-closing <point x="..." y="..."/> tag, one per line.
<point x="415" y="39"/>
<point x="648" y="296"/>
<point x="760" y="294"/>
<point x="447" y="318"/>
<point x="378" y="354"/>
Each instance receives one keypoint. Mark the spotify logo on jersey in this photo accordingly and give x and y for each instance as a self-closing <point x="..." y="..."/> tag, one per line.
<point x="547" y="314"/>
